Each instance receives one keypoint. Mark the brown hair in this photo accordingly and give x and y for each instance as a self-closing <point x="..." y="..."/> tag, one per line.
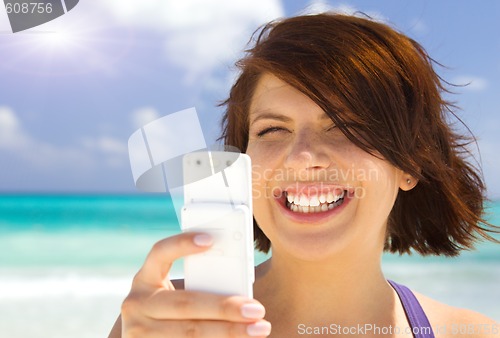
<point x="380" y="89"/>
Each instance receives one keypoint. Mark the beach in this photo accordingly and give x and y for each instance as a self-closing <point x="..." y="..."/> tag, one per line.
<point x="67" y="262"/>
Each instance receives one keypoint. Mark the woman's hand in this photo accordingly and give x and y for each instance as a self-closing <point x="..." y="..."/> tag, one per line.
<point x="154" y="308"/>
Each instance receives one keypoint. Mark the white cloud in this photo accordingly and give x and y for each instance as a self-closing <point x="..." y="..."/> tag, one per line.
<point x="200" y="35"/>
<point x="185" y="15"/>
<point x="317" y="6"/>
<point x="68" y="43"/>
<point x="12" y="136"/>
<point x="48" y="156"/>
<point x="472" y="83"/>
<point x="40" y="154"/>
<point x="320" y="6"/>
<point x="143" y="116"/>
<point x="113" y="151"/>
<point x="105" y="144"/>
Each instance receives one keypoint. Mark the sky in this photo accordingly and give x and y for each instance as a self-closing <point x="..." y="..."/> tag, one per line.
<point x="73" y="90"/>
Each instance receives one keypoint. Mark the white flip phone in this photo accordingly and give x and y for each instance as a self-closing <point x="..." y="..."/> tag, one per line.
<point x="218" y="201"/>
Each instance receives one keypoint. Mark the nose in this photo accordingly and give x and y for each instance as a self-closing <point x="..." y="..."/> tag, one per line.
<point x="307" y="152"/>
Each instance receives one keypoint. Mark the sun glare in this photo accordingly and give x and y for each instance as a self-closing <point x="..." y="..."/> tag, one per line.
<point x="64" y="47"/>
<point x="56" y="39"/>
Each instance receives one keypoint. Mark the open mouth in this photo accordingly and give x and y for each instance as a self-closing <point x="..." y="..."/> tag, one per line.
<point x="303" y="203"/>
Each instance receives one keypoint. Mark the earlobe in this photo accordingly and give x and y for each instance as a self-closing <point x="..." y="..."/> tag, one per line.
<point x="407" y="183"/>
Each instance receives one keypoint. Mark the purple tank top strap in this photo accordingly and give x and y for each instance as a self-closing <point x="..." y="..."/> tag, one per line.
<point x="419" y="323"/>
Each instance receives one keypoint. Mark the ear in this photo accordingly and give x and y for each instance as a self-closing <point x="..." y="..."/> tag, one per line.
<point x="408" y="182"/>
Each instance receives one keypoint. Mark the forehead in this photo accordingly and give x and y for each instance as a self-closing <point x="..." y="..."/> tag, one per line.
<point x="274" y="96"/>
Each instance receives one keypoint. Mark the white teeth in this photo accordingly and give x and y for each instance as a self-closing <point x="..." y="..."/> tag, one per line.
<point x="311" y="204"/>
<point x="304" y="201"/>
<point x="337" y="197"/>
<point x="314" y="201"/>
<point x="296" y="200"/>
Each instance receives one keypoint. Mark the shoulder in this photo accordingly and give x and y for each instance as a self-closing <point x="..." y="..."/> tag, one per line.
<point x="448" y="321"/>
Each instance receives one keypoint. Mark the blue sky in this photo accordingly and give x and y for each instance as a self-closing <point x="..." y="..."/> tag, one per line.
<point x="73" y="90"/>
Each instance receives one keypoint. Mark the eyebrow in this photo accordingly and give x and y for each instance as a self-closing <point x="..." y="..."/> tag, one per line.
<point x="279" y="117"/>
<point x="270" y="116"/>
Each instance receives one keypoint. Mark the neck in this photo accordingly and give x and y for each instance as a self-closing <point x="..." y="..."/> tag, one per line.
<point x="346" y="290"/>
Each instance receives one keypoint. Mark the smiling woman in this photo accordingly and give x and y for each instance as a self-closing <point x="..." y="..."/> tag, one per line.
<point x="305" y="153"/>
<point x="319" y="97"/>
<point x="380" y="92"/>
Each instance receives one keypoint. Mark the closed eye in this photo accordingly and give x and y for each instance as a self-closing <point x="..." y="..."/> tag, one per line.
<point x="332" y="127"/>
<point x="270" y="130"/>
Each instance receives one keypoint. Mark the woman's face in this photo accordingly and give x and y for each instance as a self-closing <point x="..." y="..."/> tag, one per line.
<point x="315" y="194"/>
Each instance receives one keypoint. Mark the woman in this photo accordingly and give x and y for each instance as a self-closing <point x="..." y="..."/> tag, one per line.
<point x="345" y="124"/>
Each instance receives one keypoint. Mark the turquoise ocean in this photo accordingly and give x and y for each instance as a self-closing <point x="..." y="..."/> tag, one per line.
<point x="67" y="261"/>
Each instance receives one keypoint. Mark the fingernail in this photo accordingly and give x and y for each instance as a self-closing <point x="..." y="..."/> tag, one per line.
<point x="259" y="329"/>
<point x="203" y="240"/>
<point x="253" y="311"/>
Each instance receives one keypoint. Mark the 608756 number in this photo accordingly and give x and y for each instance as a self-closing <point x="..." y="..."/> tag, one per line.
<point x="28" y="7"/>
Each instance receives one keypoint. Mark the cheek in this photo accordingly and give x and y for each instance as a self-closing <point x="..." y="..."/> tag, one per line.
<point x="265" y="158"/>
<point x="380" y="185"/>
<point x="264" y="161"/>
<point x="261" y="192"/>
<point x="260" y="151"/>
<point x="259" y="183"/>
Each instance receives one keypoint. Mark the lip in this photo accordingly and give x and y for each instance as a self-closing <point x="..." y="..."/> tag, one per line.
<point x="315" y="217"/>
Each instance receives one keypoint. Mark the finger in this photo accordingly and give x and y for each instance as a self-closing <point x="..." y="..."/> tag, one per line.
<point x="179" y="305"/>
<point x="199" y="329"/>
<point x="165" y="252"/>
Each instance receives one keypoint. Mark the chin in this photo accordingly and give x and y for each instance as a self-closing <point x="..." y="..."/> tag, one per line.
<point x="310" y="243"/>
<point x="316" y="248"/>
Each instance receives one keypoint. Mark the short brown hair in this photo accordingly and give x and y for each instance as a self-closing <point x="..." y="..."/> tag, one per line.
<point x="380" y="89"/>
